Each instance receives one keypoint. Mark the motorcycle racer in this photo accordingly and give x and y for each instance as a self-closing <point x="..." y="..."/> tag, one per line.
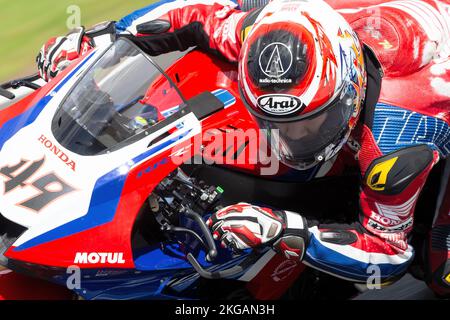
<point x="315" y="74"/>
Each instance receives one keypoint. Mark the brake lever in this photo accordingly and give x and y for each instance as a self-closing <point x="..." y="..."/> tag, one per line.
<point x="173" y="229"/>
<point x="212" y="252"/>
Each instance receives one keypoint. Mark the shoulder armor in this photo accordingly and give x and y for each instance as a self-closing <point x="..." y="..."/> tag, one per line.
<point x="391" y="174"/>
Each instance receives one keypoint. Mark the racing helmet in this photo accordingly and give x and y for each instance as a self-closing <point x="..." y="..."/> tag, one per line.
<point x="302" y="77"/>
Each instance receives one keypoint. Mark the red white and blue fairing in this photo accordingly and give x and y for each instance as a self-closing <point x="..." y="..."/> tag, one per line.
<point x="411" y="40"/>
<point x="107" y="191"/>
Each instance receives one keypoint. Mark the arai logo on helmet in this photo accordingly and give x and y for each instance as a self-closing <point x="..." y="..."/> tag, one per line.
<point x="280" y="104"/>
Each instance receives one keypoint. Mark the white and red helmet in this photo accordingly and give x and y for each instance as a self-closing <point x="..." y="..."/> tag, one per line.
<point x="302" y="72"/>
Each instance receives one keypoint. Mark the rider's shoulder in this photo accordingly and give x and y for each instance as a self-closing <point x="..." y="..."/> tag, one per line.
<point x="394" y="128"/>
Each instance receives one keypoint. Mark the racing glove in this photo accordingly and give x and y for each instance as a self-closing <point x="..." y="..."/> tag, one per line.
<point x="244" y="226"/>
<point x="59" y="52"/>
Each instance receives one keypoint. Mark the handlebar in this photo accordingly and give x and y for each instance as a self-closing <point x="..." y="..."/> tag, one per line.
<point x="212" y="253"/>
<point x="205" y="237"/>
<point x="23" y="82"/>
<point x="15" y="84"/>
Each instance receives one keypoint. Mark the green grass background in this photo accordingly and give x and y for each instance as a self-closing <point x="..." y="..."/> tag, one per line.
<point x="27" y="24"/>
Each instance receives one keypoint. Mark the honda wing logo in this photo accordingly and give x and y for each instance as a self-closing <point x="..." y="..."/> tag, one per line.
<point x="397" y="212"/>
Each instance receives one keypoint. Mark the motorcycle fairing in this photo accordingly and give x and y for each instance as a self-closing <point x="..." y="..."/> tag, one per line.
<point x="49" y="258"/>
<point x="10" y="127"/>
<point x="97" y="183"/>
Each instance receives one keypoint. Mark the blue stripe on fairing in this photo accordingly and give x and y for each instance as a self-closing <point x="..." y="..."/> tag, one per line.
<point x="104" y="201"/>
<point x="317" y="255"/>
<point x="226" y="97"/>
<point x="12" y="126"/>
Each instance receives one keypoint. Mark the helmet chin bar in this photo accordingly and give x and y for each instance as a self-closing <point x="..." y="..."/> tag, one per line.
<point x="321" y="157"/>
<point x="301" y="166"/>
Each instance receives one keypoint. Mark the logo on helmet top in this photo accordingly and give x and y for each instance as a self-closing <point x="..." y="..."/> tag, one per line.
<point x="280" y="104"/>
<point x="275" y="61"/>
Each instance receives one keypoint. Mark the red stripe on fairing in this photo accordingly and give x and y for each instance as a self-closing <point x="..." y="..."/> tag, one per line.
<point x="19" y="107"/>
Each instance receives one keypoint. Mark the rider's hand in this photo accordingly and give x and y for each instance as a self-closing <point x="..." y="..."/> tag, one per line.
<point x="58" y="53"/>
<point x="245" y="226"/>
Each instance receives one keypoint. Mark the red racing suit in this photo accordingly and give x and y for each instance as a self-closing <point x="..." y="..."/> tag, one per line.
<point x="404" y="132"/>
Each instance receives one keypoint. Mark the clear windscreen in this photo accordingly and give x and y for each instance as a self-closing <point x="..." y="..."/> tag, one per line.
<point x="120" y="96"/>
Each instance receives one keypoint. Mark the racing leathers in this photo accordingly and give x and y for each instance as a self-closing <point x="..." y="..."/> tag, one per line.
<point x="399" y="139"/>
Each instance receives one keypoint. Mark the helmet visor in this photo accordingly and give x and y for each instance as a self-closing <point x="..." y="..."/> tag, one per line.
<point x="305" y="142"/>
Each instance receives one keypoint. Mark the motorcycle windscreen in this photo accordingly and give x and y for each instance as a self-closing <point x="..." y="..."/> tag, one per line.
<point x="123" y="94"/>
